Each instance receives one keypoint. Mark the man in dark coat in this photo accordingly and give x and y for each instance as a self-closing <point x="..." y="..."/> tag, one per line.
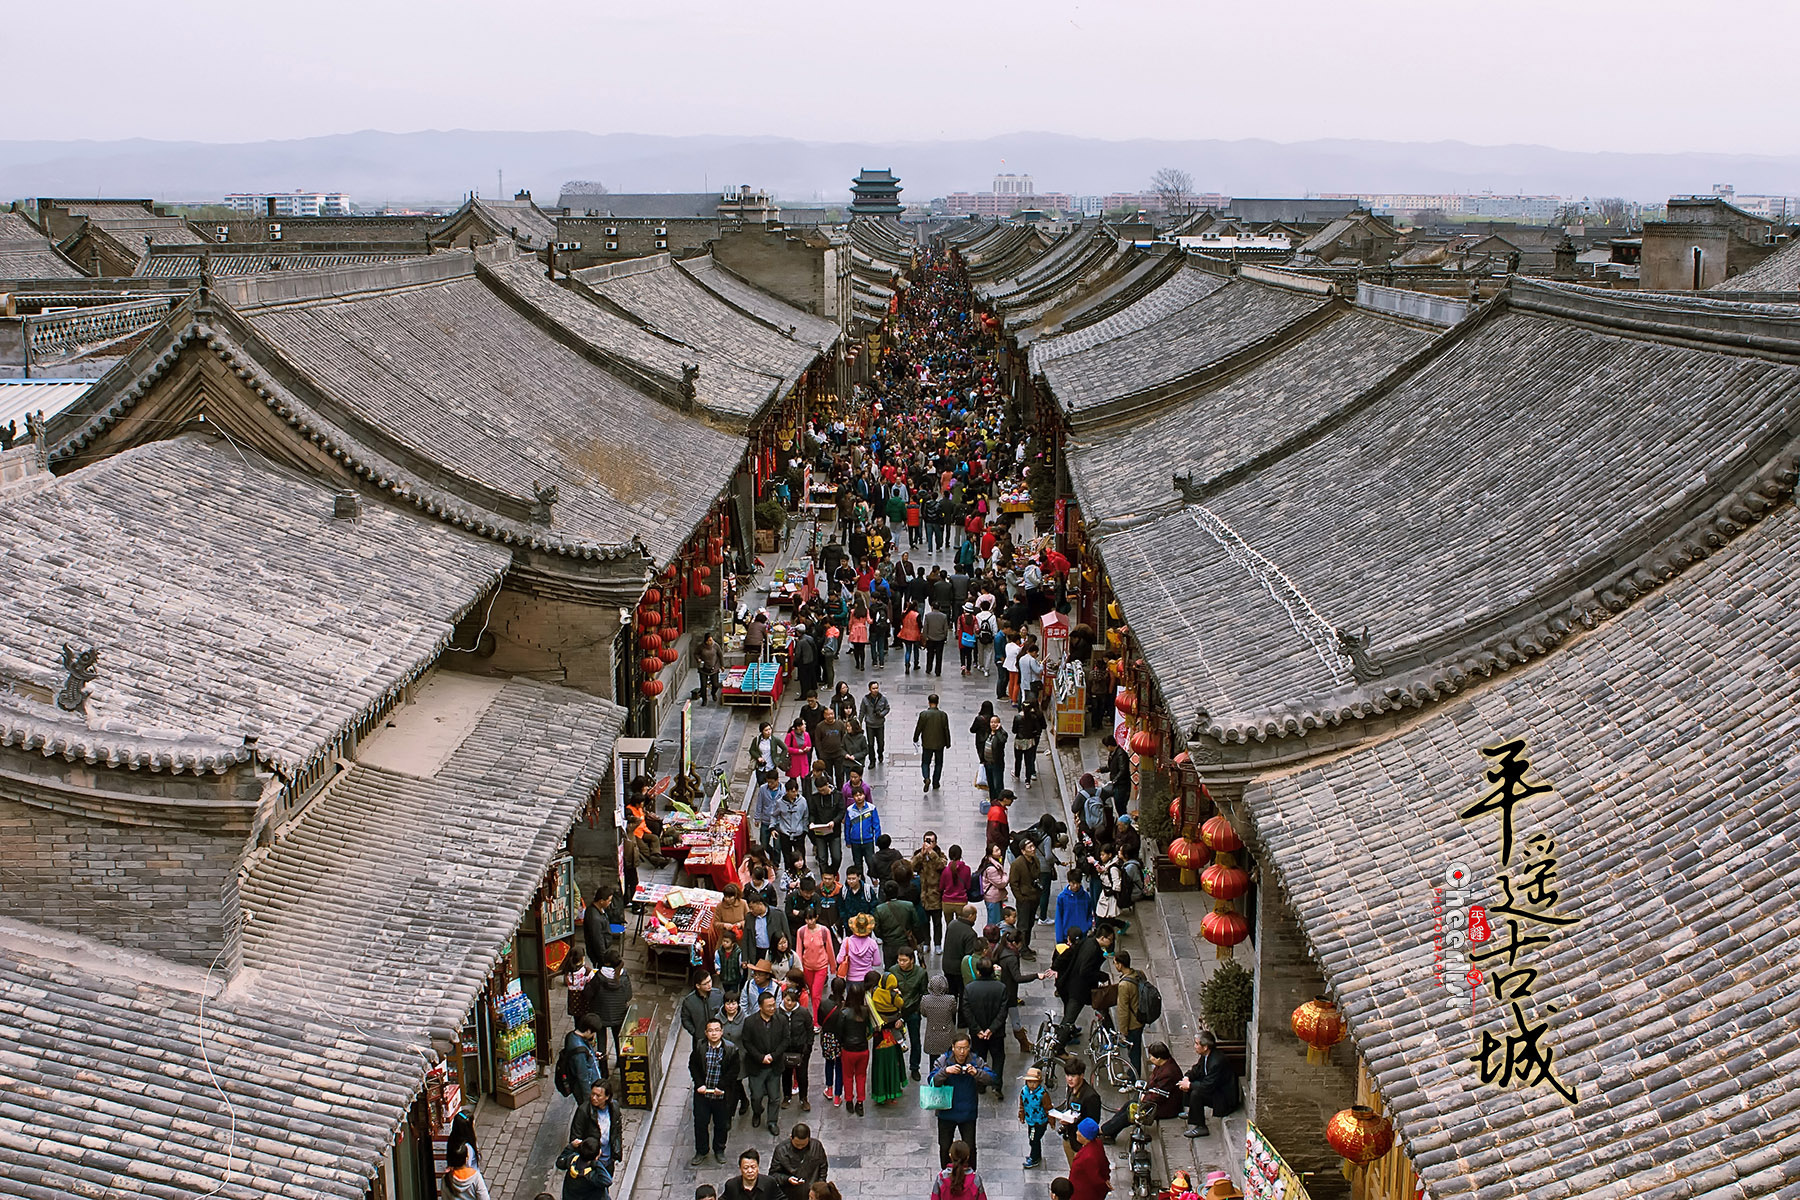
<point x="763" y="1044"/>
<point x="700" y="1006"/>
<point x="1210" y="1083"/>
<point x="1087" y="968"/>
<point x="959" y="939"/>
<point x="714" y="1067"/>
<point x="984" y="1016"/>
<point x="798" y="1162"/>
<point x="965" y="1074"/>
<point x="597" y="923"/>
<point x="598" y="1118"/>
<point x="931" y="733"/>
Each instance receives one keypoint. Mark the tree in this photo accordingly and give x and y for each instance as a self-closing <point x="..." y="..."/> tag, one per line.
<point x="1174" y="191"/>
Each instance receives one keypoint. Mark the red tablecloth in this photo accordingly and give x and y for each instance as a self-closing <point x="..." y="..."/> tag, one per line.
<point x="716" y="853"/>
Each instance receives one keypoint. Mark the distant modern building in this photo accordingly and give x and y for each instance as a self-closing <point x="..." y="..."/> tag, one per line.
<point x="290" y="204"/>
<point x="1705" y="241"/>
<point x="1013" y="185"/>
<point x="877" y="191"/>
<point x="1005" y="204"/>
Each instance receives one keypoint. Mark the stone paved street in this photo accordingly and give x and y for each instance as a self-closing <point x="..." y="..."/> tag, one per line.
<point x="894" y="1148"/>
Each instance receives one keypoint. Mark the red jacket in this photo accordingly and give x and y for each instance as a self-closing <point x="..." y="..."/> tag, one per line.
<point x="1090" y="1174"/>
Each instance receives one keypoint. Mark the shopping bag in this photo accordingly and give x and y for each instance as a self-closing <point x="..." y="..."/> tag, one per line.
<point x="933" y="1098"/>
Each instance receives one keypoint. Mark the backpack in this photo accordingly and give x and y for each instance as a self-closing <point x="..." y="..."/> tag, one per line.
<point x="565" y="1077"/>
<point x="1149" y="1001"/>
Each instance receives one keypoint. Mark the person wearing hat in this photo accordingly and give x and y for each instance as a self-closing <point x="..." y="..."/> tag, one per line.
<point x="1034" y="1113"/>
<point x="761" y="983"/>
<point x="1089" y="1172"/>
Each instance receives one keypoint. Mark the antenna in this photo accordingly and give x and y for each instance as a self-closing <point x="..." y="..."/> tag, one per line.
<point x="500" y="183"/>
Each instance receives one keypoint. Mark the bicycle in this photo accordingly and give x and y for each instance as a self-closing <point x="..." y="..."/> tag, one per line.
<point x="1108" y="1052"/>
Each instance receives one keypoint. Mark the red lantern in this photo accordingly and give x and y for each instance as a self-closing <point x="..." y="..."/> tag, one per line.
<point x="651" y="688"/>
<point x="1224" y="930"/>
<point x="1145" y="743"/>
<point x="1320" y="1025"/>
<point x="650" y="643"/>
<point x="668" y="654"/>
<point x="652" y="596"/>
<point x="703" y="572"/>
<point x="715" y="556"/>
<point x="1359" y="1135"/>
<point x="652" y="664"/>
<point x="649" y="618"/>
<point x="704" y="589"/>
<point x="1126" y="703"/>
<point x="1218" y="833"/>
<point x="1223" y="882"/>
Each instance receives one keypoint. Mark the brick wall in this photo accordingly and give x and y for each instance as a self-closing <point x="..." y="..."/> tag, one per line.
<point x="631" y="237"/>
<point x="1293" y="1100"/>
<point x="782" y="265"/>
<point x="103" y="854"/>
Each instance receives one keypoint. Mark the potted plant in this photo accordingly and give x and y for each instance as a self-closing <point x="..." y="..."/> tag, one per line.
<point x="1226" y="1001"/>
<point x="771" y="519"/>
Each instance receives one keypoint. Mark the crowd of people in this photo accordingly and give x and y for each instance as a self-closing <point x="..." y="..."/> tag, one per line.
<point x="899" y="967"/>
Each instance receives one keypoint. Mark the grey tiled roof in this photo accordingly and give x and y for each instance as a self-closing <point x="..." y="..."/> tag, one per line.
<point x="1668" y="736"/>
<point x="1419" y="513"/>
<point x="1780" y="272"/>
<point x="26" y="253"/>
<point x="469" y="382"/>
<point x="1186" y="288"/>
<point x="224" y="600"/>
<point x="771" y="310"/>
<point x="343" y="906"/>
<point x="1136" y="273"/>
<point x="1125" y="470"/>
<point x="227" y="263"/>
<point x="525" y="220"/>
<point x="725" y="386"/>
<point x="357" y="961"/>
<point x="1185" y="340"/>
<point x="669" y="301"/>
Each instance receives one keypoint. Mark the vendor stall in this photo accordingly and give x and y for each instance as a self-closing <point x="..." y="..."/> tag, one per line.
<point x="710" y="845"/>
<point x="678" y="929"/>
<point x="758" y="685"/>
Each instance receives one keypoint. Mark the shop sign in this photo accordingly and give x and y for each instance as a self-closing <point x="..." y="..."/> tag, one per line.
<point x="1062" y="514"/>
<point x="556" y="914"/>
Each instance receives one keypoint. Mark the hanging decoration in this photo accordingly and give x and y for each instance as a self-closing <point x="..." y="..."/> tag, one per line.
<point x="1145" y="743"/>
<point x="1359" y="1135"/>
<point x="652" y="596"/>
<point x="651" y="688"/>
<point x="1218" y="833"/>
<point x="1224" y="929"/>
<point x="1189" y="853"/>
<point x="650" y="618"/>
<point x="652" y="664"/>
<point x="1222" y="881"/>
<point x="1320" y="1025"/>
<point x="650" y="643"/>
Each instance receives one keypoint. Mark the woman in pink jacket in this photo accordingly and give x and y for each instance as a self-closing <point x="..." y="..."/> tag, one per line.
<point x="799" y="748"/>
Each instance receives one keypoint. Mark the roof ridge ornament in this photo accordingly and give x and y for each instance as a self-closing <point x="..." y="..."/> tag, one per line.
<point x="83" y="667"/>
<point x="690" y="384"/>
<point x="1355" y="647"/>
<point x="1187" y="487"/>
<point x="543" y="499"/>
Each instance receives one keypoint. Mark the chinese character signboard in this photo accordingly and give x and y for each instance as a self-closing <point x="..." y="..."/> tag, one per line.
<point x="1515" y="930"/>
<point x="557" y="913"/>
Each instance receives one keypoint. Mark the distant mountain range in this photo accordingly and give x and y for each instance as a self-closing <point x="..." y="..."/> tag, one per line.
<point x="442" y="166"/>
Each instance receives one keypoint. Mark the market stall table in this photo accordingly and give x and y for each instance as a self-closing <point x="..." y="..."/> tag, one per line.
<point x="758" y="685"/>
<point x="712" y="846"/>
<point x="680" y="923"/>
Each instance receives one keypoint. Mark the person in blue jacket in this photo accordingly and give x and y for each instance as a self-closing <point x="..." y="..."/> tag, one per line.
<point x="962" y="1071"/>
<point x="1074" y="909"/>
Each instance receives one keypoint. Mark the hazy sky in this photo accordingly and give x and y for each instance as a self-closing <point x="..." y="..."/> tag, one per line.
<point x="1638" y="76"/>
